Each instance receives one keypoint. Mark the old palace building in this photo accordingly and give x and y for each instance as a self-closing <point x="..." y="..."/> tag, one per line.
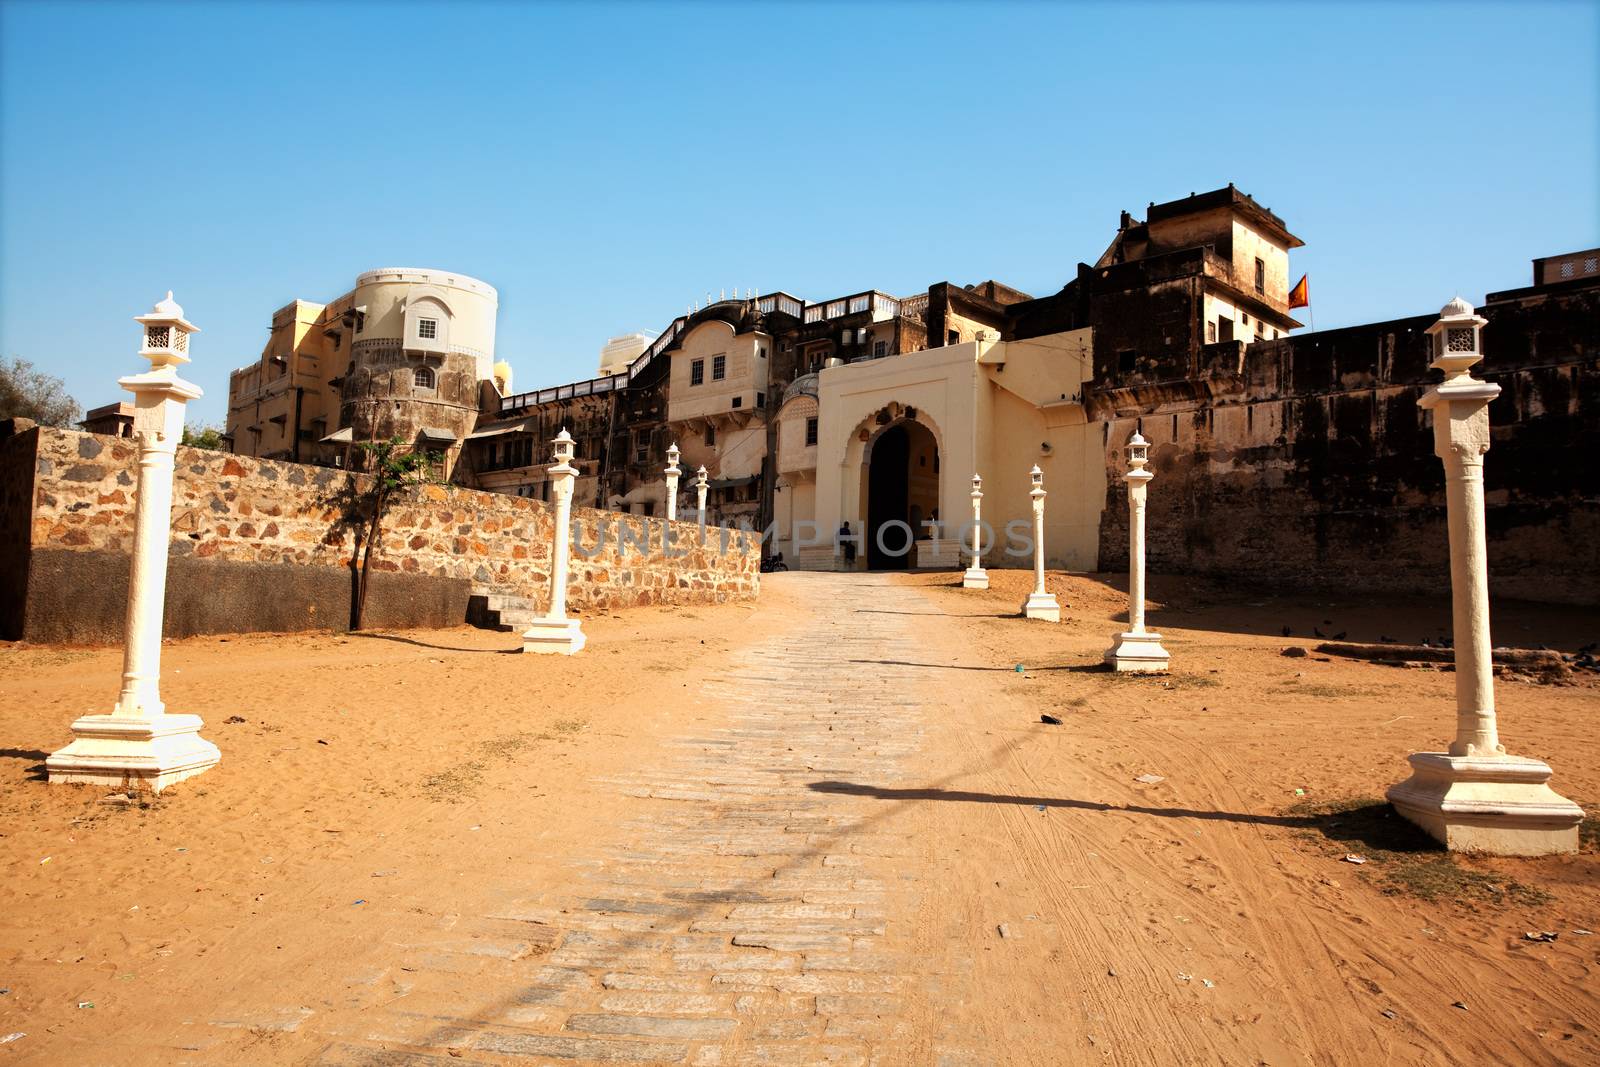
<point x="869" y="408"/>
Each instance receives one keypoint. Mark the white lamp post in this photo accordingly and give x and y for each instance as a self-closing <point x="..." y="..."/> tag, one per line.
<point x="139" y="743"/>
<point x="1138" y="650"/>
<point x="1040" y="604"/>
<point x="975" y="576"/>
<point x="555" y="633"/>
<point x="700" y="500"/>
<point x="1475" y="797"/>
<point x="672" y="481"/>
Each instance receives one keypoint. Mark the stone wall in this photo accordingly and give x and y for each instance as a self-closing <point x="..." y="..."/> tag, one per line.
<point x="262" y="545"/>
<point x="1308" y="461"/>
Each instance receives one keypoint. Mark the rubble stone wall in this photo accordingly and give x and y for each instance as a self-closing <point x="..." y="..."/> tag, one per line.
<point x="1307" y="461"/>
<point x="263" y="545"/>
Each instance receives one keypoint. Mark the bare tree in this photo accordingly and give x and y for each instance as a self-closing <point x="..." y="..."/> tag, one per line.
<point x="27" y="393"/>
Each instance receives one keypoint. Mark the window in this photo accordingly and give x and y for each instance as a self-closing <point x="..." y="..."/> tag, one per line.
<point x="952" y="338"/>
<point x="1261" y="276"/>
<point x="1244" y="317"/>
<point x="428" y="328"/>
<point x="711" y="436"/>
<point x="1211" y="331"/>
<point x="761" y="400"/>
<point x="844" y="337"/>
<point x="1567" y="269"/>
<point x="1224" y="328"/>
<point x="697" y="372"/>
<point x="1125" y="361"/>
<point x="738" y="401"/>
<point x="422" y="378"/>
<point x="719" y="368"/>
<point x="761" y="352"/>
<point x="811" y="431"/>
<point x="880" y="349"/>
<point x="861" y="336"/>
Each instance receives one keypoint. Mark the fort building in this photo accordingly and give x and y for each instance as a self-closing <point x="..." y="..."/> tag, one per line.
<point x="407" y="353"/>
<point x="871" y="412"/>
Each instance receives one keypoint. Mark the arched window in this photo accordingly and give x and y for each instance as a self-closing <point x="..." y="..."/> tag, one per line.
<point x="422" y="377"/>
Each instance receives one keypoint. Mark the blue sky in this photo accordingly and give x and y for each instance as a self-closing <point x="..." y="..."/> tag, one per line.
<point x="603" y="166"/>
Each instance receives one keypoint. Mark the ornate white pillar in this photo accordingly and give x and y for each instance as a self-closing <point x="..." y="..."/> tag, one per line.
<point x="700" y="500"/>
<point x="975" y="577"/>
<point x="139" y="744"/>
<point x="672" y="473"/>
<point x="1475" y="797"/>
<point x="555" y="633"/>
<point x="1138" y="650"/>
<point x="1040" y="604"/>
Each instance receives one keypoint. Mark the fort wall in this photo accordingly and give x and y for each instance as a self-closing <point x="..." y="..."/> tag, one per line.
<point x="264" y="545"/>
<point x="1307" y="461"/>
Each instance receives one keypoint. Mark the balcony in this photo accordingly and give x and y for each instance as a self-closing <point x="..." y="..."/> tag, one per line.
<point x="881" y="306"/>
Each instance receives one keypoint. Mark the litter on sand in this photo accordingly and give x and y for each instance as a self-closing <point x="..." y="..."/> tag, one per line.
<point x="1540" y="935"/>
<point x="1351" y="857"/>
<point x="1150" y="779"/>
<point x="1051" y="719"/>
<point x="12" y="1037"/>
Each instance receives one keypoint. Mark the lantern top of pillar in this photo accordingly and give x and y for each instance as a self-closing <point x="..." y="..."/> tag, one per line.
<point x="1457" y="344"/>
<point x="700" y="475"/>
<point x="166" y="335"/>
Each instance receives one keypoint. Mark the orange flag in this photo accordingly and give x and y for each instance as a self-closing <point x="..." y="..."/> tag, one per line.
<point x="1300" y="295"/>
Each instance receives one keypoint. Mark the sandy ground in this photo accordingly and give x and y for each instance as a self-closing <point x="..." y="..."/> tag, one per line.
<point x="380" y="786"/>
<point x="1211" y="917"/>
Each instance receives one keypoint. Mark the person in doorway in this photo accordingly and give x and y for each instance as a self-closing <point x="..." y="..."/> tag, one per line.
<point x="847" y="542"/>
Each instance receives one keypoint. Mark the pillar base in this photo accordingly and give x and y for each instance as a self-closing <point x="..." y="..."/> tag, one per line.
<point x="1138" y="653"/>
<point x="127" y="752"/>
<point x="1042" y="606"/>
<point x="975" y="578"/>
<point x="562" y="637"/>
<point x="1500" y="805"/>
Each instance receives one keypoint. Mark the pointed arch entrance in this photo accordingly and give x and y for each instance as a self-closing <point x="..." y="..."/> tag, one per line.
<point x="902" y="489"/>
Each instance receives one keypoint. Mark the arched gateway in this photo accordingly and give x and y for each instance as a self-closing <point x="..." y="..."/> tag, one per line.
<point x="900" y="484"/>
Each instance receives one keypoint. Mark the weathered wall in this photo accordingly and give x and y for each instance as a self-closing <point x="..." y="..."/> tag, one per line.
<point x="1307" y="460"/>
<point x="265" y="545"/>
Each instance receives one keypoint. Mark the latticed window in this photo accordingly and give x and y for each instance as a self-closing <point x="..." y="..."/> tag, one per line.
<point x="811" y="431"/>
<point x="719" y="368"/>
<point x="697" y="372"/>
<point x="157" y="336"/>
<point x="181" y="342"/>
<point x="1459" y="339"/>
<point x="423" y="378"/>
<point x="428" y="328"/>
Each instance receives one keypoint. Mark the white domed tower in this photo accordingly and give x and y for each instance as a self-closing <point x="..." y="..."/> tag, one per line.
<point x="423" y="342"/>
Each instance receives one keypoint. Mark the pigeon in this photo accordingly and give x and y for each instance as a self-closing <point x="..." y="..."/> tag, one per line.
<point x="1318" y="632"/>
<point x="1287" y="631"/>
<point x="1340" y="635"/>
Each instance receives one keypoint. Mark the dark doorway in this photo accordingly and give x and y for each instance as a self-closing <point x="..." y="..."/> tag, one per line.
<point x="888" y="499"/>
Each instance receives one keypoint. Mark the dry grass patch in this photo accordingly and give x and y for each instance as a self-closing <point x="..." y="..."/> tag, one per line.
<point x="1403" y="860"/>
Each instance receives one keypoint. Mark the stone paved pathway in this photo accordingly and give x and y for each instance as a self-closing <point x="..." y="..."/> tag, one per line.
<point x="745" y="916"/>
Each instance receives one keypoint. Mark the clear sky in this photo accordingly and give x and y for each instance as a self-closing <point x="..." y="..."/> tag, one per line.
<point x="603" y="166"/>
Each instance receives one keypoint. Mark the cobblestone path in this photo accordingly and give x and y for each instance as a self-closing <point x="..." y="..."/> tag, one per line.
<point x="747" y="914"/>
